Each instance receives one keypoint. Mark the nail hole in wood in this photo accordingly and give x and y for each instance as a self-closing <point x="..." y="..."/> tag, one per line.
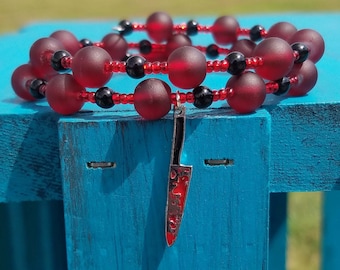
<point x="101" y="164"/>
<point x="219" y="162"/>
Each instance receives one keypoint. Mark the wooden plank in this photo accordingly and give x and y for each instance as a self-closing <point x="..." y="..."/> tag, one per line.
<point x="278" y="231"/>
<point x="305" y="148"/>
<point x="30" y="167"/>
<point x="330" y="250"/>
<point x="32" y="236"/>
<point x="115" y="217"/>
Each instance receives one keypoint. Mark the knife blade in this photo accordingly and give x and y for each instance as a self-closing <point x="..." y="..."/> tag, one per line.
<point x="179" y="178"/>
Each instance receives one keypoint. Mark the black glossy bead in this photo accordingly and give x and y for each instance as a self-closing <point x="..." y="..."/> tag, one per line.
<point x="145" y="46"/>
<point x="192" y="28"/>
<point x="125" y="27"/>
<point x="35" y="88"/>
<point x="302" y="50"/>
<point x="255" y="33"/>
<point x="103" y="97"/>
<point x="203" y="97"/>
<point x="212" y="51"/>
<point x="56" y="60"/>
<point x="85" y="42"/>
<point x="135" y="66"/>
<point x="237" y="63"/>
<point x="284" y="86"/>
<point x="126" y="57"/>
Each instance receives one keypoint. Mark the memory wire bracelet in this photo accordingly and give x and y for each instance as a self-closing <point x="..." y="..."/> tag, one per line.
<point x="245" y="91"/>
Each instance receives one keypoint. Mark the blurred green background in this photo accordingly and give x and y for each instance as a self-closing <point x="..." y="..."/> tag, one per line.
<point x="15" y="13"/>
<point x="304" y="208"/>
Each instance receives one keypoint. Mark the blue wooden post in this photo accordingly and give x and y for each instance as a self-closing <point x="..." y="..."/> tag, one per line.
<point x="330" y="231"/>
<point x="115" y="217"/>
<point x="278" y="231"/>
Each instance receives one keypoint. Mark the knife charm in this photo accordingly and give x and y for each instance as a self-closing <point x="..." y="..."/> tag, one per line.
<point x="179" y="178"/>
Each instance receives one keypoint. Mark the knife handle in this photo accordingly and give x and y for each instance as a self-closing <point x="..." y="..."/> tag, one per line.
<point x="178" y="134"/>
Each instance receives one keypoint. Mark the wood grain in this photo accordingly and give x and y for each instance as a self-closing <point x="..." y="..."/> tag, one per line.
<point x="117" y="215"/>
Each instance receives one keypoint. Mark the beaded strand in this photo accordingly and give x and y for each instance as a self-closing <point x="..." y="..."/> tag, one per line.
<point x="278" y="61"/>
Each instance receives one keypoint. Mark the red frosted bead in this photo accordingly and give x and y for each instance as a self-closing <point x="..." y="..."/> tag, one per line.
<point x="283" y="30"/>
<point x="40" y="54"/>
<point x="159" y="26"/>
<point x="176" y="41"/>
<point x="88" y="66"/>
<point x="278" y="58"/>
<point x="225" y="30"/>
<point x="244" y="46"/>
<point x="63" y="93"/>
<point x="115" y="45"/>
<point x="21" y="76"/>
<point x="187" y="67"/>
<point x="307" y="77"/>
<point x="152" y="99"/>
<point x="69" y="40"/>
<point x="249" y="92"/>
<point x="313" y="40"/>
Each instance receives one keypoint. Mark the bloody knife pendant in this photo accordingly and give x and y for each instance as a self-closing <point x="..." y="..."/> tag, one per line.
<point x="179" y="178"/>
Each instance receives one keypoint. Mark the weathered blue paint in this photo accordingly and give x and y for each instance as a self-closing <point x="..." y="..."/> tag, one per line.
<point x="278" y="231"/>
<point x="330" y="231"/>
<point x="117" y="215"/>
<point x="303" y="156"/>
<point x="32" y="236"/>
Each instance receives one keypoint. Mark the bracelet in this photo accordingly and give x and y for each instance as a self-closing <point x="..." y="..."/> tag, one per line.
<point x="278" y="61"/>
<point x="283" y="62"/>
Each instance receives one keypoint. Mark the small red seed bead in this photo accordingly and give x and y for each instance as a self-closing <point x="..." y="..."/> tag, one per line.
<point x="91" y="97"/>
<point x="116" y="98"/>
<point x="216" y="95"/>
<point x="294" y="79"/>
<point x="130" y="98"/>
<point x="231" y="92"/>
<point x="134" y="45"/>
<point x="87" y="96"/>
<point x="108" y="67"/>
<point x="66" y="62"/>
<point x="118" y="67"/>
<point x="243" y="31"/>
<point x="216" y="66"/>
<point x="123" y="98"/>
<point x="138" y="26"/>
<point x="164" y="67"/>
<point x="121" y="67"/>
<point x="271" y="87"/>
<point x="224" y="65"/>
<point x="156" y="67"/>
<point x="223" y="94"/>
<point x="210" y="66"/>
<point x="182" y="97"/>
<point x="148" y="68"/>
<point x="190" y="97"/>
<point x="173" y="97"/>
<point x="203" y="28"/>
<point x="83" y="95"/>
<point x="98" y="44"/>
